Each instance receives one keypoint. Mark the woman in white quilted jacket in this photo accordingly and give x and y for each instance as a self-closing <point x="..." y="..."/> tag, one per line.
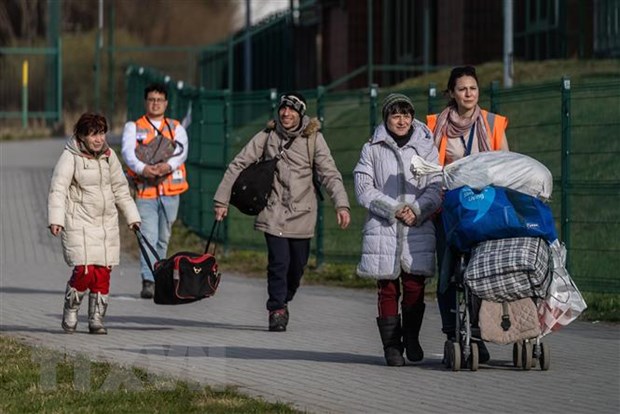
<point x="88" y="185"/>
<point x="398" y="247"/>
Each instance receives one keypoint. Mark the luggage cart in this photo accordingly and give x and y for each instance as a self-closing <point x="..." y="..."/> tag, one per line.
<point x="463" y="353"/>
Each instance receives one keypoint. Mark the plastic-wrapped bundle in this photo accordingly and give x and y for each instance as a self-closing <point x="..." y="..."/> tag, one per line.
<point x="472" y="216"/>
<point x="564" y="302"/>
<point x="498" y="168"/>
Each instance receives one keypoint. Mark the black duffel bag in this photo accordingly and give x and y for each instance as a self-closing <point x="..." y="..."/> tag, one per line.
<point x="250" y="191"/>
<point x="184" y="277"/>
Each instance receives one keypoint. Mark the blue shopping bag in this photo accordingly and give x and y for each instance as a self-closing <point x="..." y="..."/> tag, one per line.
<point x="472" y="216"/>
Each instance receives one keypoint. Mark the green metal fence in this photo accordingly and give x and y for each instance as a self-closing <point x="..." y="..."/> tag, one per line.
<point x="569" y="127"/>
<point x="30" y="83"/>
<point x="31" y="77"/>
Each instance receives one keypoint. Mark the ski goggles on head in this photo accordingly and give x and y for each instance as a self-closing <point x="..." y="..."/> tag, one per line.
<point x="293" y="102"/>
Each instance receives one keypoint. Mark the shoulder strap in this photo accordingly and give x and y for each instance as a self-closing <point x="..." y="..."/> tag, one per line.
<point x="311" y="144"/>
<point x="143" y="244"/>
<point x="262" y="157"/>
<point x="281" y="148"/>
<point x="171" y="130"/>
<point x="311" y="148"/>
<point x="160" y="131"/>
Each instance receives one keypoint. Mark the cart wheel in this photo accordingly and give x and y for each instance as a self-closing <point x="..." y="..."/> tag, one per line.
<point x="526" y="361"/>
<point x="517" y="354"/>
<point x="474" y="358"/>
<point x="545" y="357"/>
<point x="455" y="356"/>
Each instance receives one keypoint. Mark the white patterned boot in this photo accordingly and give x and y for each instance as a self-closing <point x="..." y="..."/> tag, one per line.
<point x="73" y="300"/>
<point x="97" y="306"/>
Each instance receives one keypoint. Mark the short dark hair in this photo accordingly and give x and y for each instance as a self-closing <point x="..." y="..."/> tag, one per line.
<point x="156" y="87"/>
<point x="90" y="123"/>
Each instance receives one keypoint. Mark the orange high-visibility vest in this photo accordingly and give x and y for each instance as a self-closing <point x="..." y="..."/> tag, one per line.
<point x="175" y="183"/>
<point x="495" y="124"/>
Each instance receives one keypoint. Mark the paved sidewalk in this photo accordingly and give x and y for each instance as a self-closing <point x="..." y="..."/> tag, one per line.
<point x="330" y="359"/>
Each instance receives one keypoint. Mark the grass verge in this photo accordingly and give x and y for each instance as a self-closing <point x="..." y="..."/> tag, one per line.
<point x="29" y="385"/>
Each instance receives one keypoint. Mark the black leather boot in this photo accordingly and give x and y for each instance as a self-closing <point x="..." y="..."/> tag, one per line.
<point x="391" y="335"/>
<point x="412" y="322"/>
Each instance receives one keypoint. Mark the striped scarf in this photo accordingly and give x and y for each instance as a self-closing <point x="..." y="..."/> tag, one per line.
<point x="452" y="125"/>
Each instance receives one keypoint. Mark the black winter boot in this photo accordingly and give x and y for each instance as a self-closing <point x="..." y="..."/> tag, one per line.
<point x="391" y="334"/>
<point x="412" y="322"/>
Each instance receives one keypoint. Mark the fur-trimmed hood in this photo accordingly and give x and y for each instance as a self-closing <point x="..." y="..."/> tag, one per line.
<point x="314" y="126"/>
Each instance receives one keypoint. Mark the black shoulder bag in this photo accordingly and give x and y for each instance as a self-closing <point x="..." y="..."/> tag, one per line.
<point x="251" y="190"/>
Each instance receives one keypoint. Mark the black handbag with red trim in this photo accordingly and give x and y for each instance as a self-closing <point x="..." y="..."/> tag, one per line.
<point x="184" y="277"/>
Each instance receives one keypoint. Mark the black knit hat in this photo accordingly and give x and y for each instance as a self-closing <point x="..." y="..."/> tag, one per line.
<point x="394" y="99"/>
<point x="295" y="101"/>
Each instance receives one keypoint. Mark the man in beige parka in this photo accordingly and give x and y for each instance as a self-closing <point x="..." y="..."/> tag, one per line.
<point x="289" y="219"/>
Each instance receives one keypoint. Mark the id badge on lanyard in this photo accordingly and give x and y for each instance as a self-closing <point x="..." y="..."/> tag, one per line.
<point x="470" y="141"/>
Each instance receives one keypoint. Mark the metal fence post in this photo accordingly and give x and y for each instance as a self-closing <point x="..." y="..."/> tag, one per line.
<point x="25" y="94"/>
<point x="320" y="219"/>
<point x="370" y="66"/>
<point x="372" y="116"/>
<point x="59" y="79"/>
<point x="432" y="93"/>
<point x="566" y="146"/>
<point x="98" y="51"/>
<point x="494" y="96"/>
<point x="171" y="111"/>
<point x="111" y="65"/>
<point x="227" y="130"/>
<point x="273" y="97"/>
<point x="231" y="61"/>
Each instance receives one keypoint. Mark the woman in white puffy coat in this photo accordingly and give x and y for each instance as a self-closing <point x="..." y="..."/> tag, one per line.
<point x="88" y="185"/>
<point x="399" y="237"/>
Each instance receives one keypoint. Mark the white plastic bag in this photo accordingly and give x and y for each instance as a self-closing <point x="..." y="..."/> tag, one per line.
<point x="499" y="168"/>
<point x="564" y="302"/>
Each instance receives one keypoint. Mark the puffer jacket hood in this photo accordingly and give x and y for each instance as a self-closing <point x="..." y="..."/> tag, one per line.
<point x="309" y="126"/>
<point x="77" y="147"/>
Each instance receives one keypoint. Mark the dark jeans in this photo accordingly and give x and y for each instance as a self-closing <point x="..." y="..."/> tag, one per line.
<point x="287" y="259"/>
<point x="446" y="290"/>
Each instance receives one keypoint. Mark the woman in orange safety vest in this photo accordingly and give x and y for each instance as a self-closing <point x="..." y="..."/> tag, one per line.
<point x="461" y="129"/>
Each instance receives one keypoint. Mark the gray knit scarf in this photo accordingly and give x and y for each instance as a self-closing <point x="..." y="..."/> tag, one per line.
<point x="292" y="133"/>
